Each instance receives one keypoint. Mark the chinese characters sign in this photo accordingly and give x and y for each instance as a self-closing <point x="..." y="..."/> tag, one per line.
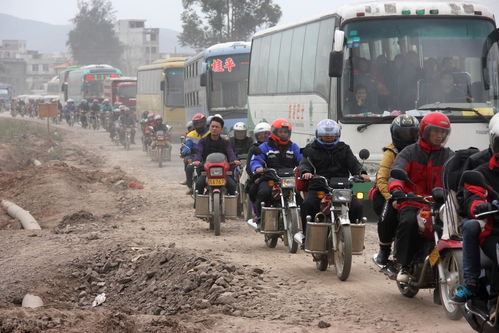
<point x="219" y="65"/>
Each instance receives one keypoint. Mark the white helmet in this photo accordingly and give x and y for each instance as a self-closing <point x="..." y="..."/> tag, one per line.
<point x="240" y="126"/>
<point x="261" y="127"/>
<point x="494" y="138"/>
<point x="70" y="100"/>
<point x="493" y="121"/>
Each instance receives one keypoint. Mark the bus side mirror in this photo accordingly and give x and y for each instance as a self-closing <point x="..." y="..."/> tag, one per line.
<point x="202" y="80"/>
<point x="336" y="56"/>
<point x="162" y="86"/>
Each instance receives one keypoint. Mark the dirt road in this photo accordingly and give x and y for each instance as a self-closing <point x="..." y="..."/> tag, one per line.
<point x="162" y="270"/>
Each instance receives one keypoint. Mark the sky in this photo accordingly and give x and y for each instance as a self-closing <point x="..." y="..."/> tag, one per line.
<point x="162" y="13"/>
<point x="158" y="13"/>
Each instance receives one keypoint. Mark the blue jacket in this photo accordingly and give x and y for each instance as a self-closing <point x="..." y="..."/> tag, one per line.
<point x="271" y="156"/>
<point x="191" y="142"/>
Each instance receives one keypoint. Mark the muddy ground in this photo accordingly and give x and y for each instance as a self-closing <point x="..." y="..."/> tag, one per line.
<point x="159" y="267"/>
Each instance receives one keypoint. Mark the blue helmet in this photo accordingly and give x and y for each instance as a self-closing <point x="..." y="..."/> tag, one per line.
<point x="328" y="127"/>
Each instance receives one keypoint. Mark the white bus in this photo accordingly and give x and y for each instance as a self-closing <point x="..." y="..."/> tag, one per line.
<point x="363" y="64"/>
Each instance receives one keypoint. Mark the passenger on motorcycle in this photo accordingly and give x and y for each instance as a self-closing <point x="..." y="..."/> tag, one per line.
<point x="279" y="153"/>
<point x="423" y="161"/>
<point x="262" y="133"/>
<point x="188" y="150"/>
<point x="404" y="131"/>
<point x="240" y="142"/>
<point x="481" y="233"/>
<point x="127" y="120"/>
<point x="158" y="124"/>
<point x="68" y="109"/>
<point x="214" y="143"/>
<point x="329" y="157"/>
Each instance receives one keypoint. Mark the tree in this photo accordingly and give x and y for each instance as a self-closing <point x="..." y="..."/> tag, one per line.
<point x="93" y="39"/>
<point x="208" y="22"/>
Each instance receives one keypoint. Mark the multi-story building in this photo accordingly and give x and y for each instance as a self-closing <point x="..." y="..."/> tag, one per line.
<point x="140" y="44"/>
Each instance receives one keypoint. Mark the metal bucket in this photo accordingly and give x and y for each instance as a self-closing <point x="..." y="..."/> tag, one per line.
<point x="270" y="219"/>
<point x="316" y="239"/>
<point x="230" y="202"/>
<point x="358" y="232"/>
<point x="202" y="205"/>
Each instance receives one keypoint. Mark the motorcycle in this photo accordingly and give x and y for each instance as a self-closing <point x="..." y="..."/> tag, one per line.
<point x="94" y="121"/>
<point x="331" y="238"/>
<point x="162" y="148"/>
<point x="280" y="217"/>
<point x="244" y="208"/>
<point x="438" y="265"/>
<point x="126" y="137"/>
<point x="147" y="138"/>
<point x="477" y="310"/>
<point x="215" y="205"/>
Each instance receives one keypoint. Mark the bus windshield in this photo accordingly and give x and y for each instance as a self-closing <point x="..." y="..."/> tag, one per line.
<point x="174" y="96"/>
<point x="228" y="82"/>
<point x="129" y="91"/>
<point x="93" y="89"/>
<point x="4" y="91"/>
<point x="417" y="64"/>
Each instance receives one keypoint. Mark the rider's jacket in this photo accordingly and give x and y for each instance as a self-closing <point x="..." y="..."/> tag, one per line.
<point x="383" y="174"/>
<point x="127" y="120"/>
<point x="252" y="151"/>
<point x="276" y="156"/>
<point x="478" y="159"/>
<point x="191" y="141"/>
<point x="241" y="146"/>
<point x="68" y="108"/>
<point x="106" y="107"/>
<point x="329" y="161"/>
<point x="474" y="195"/>
<point x="161" y="127"/>
<point x="84" y="107"/>
<point x="207" y="146"/>
<point x="95" y="107"/>
<point x="423" y="164"/>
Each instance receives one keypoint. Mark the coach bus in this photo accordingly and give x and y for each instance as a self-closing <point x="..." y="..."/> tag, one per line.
<point x="160" y="89"/>
<point x="216" y="82"/>
<point x="87" y="82"/>
<point x="364" y="64"/>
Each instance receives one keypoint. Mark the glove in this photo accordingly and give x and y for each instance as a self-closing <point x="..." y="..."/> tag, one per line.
<point x="482" y="208"/>
<point x="397" y="195"/>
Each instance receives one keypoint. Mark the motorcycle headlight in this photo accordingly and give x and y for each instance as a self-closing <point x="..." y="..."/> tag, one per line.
<point x="288" y="182"/>
<point x="216" y="172"/>
<point x="342" y="195"/>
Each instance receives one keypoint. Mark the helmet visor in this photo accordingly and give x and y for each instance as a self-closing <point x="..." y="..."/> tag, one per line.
<point x="435" y="135"/>
<point x="199" y="124"/>
<point x="407" y="134"/>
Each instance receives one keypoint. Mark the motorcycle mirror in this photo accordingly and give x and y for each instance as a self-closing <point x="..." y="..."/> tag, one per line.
<point x="399" y="174"/>
<point x="438" y="194"/>
<point x="364" y="154"/>
<point x="473" y="178"/>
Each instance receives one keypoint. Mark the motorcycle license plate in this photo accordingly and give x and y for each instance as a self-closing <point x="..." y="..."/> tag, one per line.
<point x="434" y="255"/>
<point x="160" y="143"/>
<point x="216" y="182"/>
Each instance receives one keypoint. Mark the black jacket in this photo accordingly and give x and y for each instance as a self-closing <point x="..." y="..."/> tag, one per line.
<point x="253" y="150"/>
<point x="337" y="161"/>
<point x="477" y="159"/>
<point x="241" y="146"/>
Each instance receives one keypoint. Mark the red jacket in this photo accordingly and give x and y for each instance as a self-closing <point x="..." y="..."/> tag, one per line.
<point x="423" y="164"/>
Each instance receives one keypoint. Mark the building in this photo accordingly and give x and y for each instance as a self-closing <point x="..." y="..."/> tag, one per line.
<point x="140" y="44"/>
<point x="41" y="68"/>
<point x="12" y="64"/>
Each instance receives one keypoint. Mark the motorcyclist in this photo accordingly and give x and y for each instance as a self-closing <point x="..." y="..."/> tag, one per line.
<point x="423" y="161"/>
<point x="240" y="141"/>
<point x="481" y="233"/>
<point x="262" y="133"/>
<point x="68" y="109"/>
<point x="404" y="131"/>
<point x="279" y="153"/>
<point x="214" y="143"/>
<point x="329" y="157"/>
<point x="158" y="124"/>
<point x="83" y="109"/>
<point x="127" y="120"/>
<point x="188" y="149"/>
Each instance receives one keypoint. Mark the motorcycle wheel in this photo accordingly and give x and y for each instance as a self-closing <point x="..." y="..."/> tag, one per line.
<point x="217" y="214"/>
<point x="247" y="209"/>
<point x="343" y="254"/>
<point x="127" y="142"/>
<point x="168" y="155"/>
<point x="452" y="261"/>
<point x="161" y="152"/>
<point x="407" y="290"/>
<point x="322" y="263"/>
<point x="271" y="241"/>
<point x="292" y="230"/>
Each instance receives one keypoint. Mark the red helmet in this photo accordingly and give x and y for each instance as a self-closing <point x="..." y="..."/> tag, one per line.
<point x="434" y="120"/>
<point x="278" y="124"/>
<point x="199" y="121"/>
<point x="198" y="116"/>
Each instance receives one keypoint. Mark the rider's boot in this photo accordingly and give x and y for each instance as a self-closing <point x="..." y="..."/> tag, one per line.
<point x="383" y="254"/>
<point x="403" y="275"/>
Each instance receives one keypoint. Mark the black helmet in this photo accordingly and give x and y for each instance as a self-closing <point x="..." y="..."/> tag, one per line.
<point x="404" y="131"/>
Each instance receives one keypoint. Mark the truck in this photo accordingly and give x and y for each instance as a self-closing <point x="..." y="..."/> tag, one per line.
<point x="121" y="90"/>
